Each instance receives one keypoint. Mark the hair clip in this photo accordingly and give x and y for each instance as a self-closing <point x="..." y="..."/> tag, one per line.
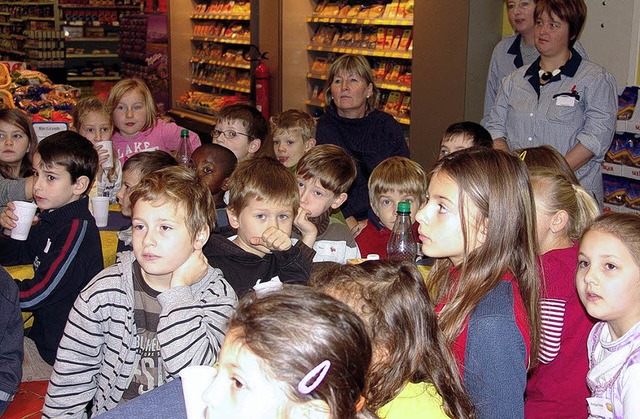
<point x="319" y="371"/>
<point x="523" y="155"/>
<point x="360" y="404"/>
<point x="264" y="288"/>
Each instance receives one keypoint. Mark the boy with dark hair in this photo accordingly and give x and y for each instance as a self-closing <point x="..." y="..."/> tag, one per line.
<point x="325" y="173"/>
<point x="263" y="201"/>
<point x="64" y="246"/>
<point x="159" y="309"/>
<point x="462" y="135"/>
<point x="242" y="129"/>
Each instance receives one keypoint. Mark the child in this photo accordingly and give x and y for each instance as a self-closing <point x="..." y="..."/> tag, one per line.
<point x="263" y="201"/>
<point x="18" y="142"/>
<point x="11" y="340"/>
<point x="557" y="384"/>
<point x="396" y="179"/>
<point x="462" y="135"/>
<point x="134" y="169"/>
<point x="241" y="128"/>
<point x="608" y="281"/>
<point x="293" y="135"/>
<point x="412" y="373"/>
<point x="325" y="174"/>
<point x="291" y="353"/>
<point x="479" y="221"/>
<point x="93" y="122"/>
<point x="214" y="164"/>
<point x="64" y="246"/>
<point x="138" y="127"/>
<point x="159" y="309"/>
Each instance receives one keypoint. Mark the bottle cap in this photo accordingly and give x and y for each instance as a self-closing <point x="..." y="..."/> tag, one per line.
<point x="373" y="256"/>
<point x="184" y="133"/>
<point x="404" y="207"/>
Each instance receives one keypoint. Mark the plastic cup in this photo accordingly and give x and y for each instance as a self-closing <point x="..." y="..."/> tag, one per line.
<point x="195" y="380"/>
<point x="100" y="206"/>
<point x="25" y="212"/>
<point x="106" y="145"/>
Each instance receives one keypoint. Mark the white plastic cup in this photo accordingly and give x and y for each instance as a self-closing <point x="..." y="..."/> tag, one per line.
<point x="100" y="206"/>
<point x="25" y="212"/>
<point x="106" y="145"/>
<point x="195" y="380"/>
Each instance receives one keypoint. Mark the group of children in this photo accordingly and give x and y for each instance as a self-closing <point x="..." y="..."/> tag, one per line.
<point x="497" y="318"/>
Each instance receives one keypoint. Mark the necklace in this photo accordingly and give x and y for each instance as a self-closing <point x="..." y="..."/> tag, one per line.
<point x="548" y="75"/>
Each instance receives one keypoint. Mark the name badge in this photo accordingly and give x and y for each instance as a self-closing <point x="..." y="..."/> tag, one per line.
<point x="600" y="408"/>
<point x="565" y="101"/>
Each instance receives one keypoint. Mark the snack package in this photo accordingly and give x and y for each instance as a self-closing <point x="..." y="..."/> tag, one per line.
<point x="633" y="150"/>
<point x="627" y="102"/>
<point x="615" y="189"/>
<point x="618" y="151"/>
<point x="632" y="198"/>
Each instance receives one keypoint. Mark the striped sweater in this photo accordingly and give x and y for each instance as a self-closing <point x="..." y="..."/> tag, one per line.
<point x="98" y="353"/>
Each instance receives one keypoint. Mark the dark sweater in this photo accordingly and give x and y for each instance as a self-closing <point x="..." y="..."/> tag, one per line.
<point x="243" y="269"/>
<point x="369" y="141"/>
<point x="66" y="252"/>
<point x="11" y="338"/>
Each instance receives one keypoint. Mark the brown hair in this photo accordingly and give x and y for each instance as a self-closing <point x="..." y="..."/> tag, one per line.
<point x="546" y="156"/>
<point x="399" y="316"/>
<point x="181" y="186"/>
<point x="295" y="329"/>
<point x="23" y="122"/>
<point x="125" y="86"/>
<point x="250" y="118"/>
<point x="497" y="184"/>
<point x="293" y="121"/>
<point x="149" y="161"/>
<point x="264" y="179"/>
<point x="573" y="12"/>
<point x="624" y="227"/>
<point x="331" y="164"/>
<point x="356" y="64"/>
<point x="398" y="174"/>
<point x="478" y="134"/>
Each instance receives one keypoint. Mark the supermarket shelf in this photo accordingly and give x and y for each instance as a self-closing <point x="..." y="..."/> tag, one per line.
<point x="320" y="104"/>
<point x="211" y="16"/>
<point x="44" y="19"/>
<point x="221" y="85"/>
<point x="12" y="51"/>
<point x="619" y="208"/>
<point x="73" y="56"/>
<point x="96" y="78"/>
<point x="233" y="64"/>
<point x="197" y="116"/>
<point x="621" y="170"/>
<point x="221" y="40"/>
<point x="87" y="6"/>
<point x="32" y="3"/>
<point x="106" y="39"/>
<point x="359" y="21"/>
<point x="361" y="51"/>
<point x="385" y="86"/>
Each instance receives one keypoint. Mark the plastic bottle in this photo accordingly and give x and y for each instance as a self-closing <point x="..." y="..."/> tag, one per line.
<point x="183" y="154"/>
<point x="402" y="243"/>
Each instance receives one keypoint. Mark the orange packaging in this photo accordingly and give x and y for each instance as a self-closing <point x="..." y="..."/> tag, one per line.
<point x="406" y="38"/>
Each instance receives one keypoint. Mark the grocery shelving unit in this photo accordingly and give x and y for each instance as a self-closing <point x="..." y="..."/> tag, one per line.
<point x="630" y="173"/>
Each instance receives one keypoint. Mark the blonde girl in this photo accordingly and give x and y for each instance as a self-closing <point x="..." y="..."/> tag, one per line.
<point x="608" y="282"/>
<point x="479" y="222"/>
<point x="92" y="120"/>
<point x="17" y="144"/>
<point x="137" y="122"/>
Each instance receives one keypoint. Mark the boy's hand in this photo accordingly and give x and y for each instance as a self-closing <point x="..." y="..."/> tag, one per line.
<point x="356" y="226"/>
<point x="273" y="239"/>
<point x="191" y="271"/>
<point x="307" y="228"/>
<point x="103" y="154"/>
<point x="8" y="218"/>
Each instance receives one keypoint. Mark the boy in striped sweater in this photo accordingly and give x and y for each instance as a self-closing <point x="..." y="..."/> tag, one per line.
<point x="159" y="309"/>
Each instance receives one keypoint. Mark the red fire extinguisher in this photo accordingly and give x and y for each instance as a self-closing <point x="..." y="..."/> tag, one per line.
<point x="262" y="88"/>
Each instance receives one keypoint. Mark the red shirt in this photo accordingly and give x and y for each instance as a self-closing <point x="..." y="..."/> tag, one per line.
<point x="373" y="239"/>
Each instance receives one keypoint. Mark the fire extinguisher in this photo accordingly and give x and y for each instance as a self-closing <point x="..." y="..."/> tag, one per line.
<point x="262" y="87"/>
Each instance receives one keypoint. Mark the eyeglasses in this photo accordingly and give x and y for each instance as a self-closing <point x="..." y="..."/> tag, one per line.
<point x="229" y="134"/>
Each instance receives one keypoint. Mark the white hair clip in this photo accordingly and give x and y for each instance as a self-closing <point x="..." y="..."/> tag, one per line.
<point x="319" y="372"/>
<point x="264" y="288"/>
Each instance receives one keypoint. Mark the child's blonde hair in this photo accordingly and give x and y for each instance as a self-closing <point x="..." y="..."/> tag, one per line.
<point x="624" y="227"/>
<point x="295" y="122"/>
<point x="331" y="164"/>
<point x="547" y="156"/>
<point x="497" y="184"/>
<point x="133" y="84"/>
<point x="398" y="174"/>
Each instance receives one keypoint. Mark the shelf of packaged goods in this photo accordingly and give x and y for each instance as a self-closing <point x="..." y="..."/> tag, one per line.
<point x="316" y="102"/>
<point x="30" y="3"/>
<point x="213" y="16"/>
<point x="221" y="85"/>
<point x="46" y="63"/>
<point x="87" y="6"/>
<point x="404" y="120"/>
<point x="621" y="170"/>
<point x="17" y="37"/>
<point x="74" y="56"/>
<point x="106" y="39"/>
<point x="384" y="85"/>
<point x="93" y="78"/>
<point x="406" y="55"/>
<point x="221" y="40"/>
<point x="222" y="63"/>
<point x="209" y="120"/>
<point x="360" y="21"/>
<point x="5" y="14"/>
<point x="6" y="24"/>
<point x="13" y="52"/>
<point x="79" y="24"/>
<point x="44" y="19"/>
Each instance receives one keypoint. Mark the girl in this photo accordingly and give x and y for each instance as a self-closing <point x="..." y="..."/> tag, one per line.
<point x="93" y="121"/>
<point x="413" y="373"/>
<point x="479" y="222"/>
<point x="291" y="353"/>
<point x="608" y="282"/>
<point x="137" y="123"/>
<point x="563" y="210"/>
<point x="17" y="144"/>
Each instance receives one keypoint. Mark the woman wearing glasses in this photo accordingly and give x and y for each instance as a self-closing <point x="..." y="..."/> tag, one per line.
<point x="352" y="122"/>
<point x="242" y="129"/>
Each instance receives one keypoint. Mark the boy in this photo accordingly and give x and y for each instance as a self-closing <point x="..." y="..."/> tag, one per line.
<point x="64" y="246"/>
<point x="293" y="135"/>
<point x="325" y="174"/>
<point x="263" y="201"/>
<point x="159" y="309"/>
<point x="396" y="179"/>
<point x="465" y="134"/>
<point x="214" y="164"/>
<point x="241" y="128"/>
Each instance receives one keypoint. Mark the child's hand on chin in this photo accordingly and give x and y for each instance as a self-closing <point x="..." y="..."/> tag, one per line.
<point x="308" y="230"/>
<point x="273" y="239"/>
<point x="191" y="271"/>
